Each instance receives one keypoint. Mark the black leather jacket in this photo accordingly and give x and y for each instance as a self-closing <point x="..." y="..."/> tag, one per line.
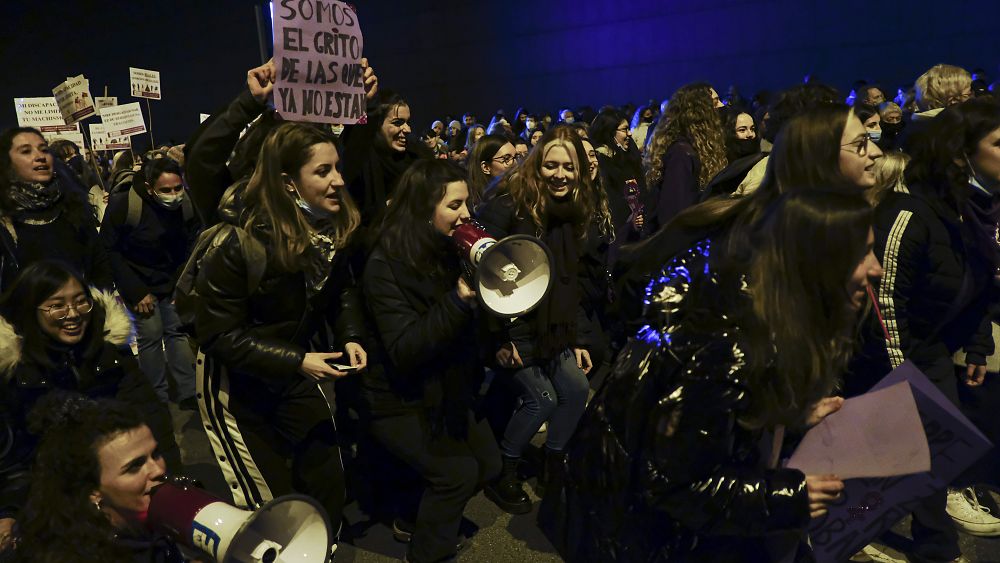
<point x="267" y="334"/>
<point x="661" y="468"/>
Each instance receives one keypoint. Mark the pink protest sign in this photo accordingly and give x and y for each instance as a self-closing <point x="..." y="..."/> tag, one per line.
<point x="317" y="56"/>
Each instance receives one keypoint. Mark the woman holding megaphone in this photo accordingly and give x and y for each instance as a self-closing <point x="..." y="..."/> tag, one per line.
<point x="97" y="464"/>
<point x="426" y="368"/>
<point x="552" y="195"/>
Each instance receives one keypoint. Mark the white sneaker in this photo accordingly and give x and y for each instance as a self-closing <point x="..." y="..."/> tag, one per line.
<point x="969" y="516"/>
<point x="877" y="554"/>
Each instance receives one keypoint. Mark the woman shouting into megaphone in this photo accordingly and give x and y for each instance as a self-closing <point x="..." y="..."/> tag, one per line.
<point x="545" y="355"/>
<point x="426" y="370"/>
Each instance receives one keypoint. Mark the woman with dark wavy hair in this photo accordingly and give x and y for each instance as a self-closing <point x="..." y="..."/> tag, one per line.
<point x="90" y="488"/>
<point x="937" y="236"/>
<point x="44" y="212"/>
<point x="686" y="150"/>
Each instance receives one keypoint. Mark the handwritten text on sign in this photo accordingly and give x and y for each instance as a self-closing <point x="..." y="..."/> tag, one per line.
<point x="123" y="121"/>
<point x="317" y="53"/>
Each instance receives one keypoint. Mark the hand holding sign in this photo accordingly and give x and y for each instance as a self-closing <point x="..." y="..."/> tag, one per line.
<point x="260" y="81"/>
<point x="371" y="81"/>
<point x="317" y="53"/>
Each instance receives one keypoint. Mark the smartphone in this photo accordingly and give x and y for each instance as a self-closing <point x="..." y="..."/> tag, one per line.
<point x="341" y="367"/>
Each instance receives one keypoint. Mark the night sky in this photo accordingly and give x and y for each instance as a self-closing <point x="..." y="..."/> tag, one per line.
<point x="452" y="56"/>
<point x="202" y="49"/>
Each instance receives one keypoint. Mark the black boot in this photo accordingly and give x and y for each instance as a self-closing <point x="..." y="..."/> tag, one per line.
<point x="553" y="471"/>
<point x="508" y="491"/>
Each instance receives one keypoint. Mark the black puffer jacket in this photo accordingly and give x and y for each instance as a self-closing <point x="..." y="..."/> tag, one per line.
<point x="423" y="333"/>
<point x="108" y="372"/>
<point x="936" y="295"/>
<point x="660" y="467"/>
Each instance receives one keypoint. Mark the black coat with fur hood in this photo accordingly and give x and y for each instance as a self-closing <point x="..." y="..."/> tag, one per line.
<point x="109" y="371"/>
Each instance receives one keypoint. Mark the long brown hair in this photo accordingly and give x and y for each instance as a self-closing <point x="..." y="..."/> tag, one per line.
<point x="285" y="151"/>
<point x="690" y="115"/>
<point x="801" y="302"/>
<point x="527" y="187"/>
<point x="806" y="156"/>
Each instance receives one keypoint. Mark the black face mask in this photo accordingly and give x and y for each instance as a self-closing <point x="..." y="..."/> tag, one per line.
<point x="740" y="148"/>
<point x="76" y="164"/>
<point x="892" y="129"/>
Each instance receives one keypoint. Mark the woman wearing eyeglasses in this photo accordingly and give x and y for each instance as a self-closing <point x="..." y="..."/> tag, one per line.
<point x="827" y="147"/>
<point x="937" y="236"/>
<point x="57" y="333"/>
<point x="491" y="157"/>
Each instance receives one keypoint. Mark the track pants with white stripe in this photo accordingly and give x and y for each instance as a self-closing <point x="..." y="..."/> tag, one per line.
<point x="270" y="442"/>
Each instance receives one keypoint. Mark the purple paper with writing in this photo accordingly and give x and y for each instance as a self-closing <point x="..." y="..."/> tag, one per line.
<point x="317" y="56"/>
<point x="871" y="506"/>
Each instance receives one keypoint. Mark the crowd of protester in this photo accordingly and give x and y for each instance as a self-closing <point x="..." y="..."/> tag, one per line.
<point x="725" y="272"/>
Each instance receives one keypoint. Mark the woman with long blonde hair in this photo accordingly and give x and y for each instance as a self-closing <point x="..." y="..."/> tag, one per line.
<point x="263" y="357"/>
<point x="686" y="150"/>
<point x="546" y="353"/>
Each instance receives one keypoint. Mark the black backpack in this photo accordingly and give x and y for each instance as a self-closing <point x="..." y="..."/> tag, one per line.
<point x="185" y="293"/>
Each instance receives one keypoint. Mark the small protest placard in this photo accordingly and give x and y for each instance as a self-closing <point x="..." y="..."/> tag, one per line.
<point x="42" y="114"/>
<point x="73" y="99"/>
<point x="870" y="506"/>
<point x="123" y="121"/>
<point x="105" y="102"/>
<point x="317" y="56"/>
<point x="144" y="83"/>
<point x="102" y="142"/>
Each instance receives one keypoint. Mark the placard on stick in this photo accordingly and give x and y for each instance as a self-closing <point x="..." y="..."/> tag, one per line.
<point x="102" y="142"/>
<point x="105" y="102"/>
<point x="123" y="121"/>
<point x="42" y="114"/>
<point x="144" y="83"/>
<point x="74" y="100"/>
<point x="317" y="56"/>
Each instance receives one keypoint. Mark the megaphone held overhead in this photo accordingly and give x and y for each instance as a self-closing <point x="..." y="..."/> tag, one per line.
<point x="511" y="276"/>
<point x="289" y="528"/>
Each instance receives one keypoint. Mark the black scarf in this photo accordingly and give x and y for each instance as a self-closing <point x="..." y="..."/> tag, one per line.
<point x="28" y="198"/>
<point x="555" y="323"/>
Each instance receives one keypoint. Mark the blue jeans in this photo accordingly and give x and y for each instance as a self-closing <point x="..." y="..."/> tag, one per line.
<point x="161" y="332"/>
<point x="555" y="393"/>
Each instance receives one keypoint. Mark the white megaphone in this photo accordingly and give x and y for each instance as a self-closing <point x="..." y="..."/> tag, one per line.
<point x="511" y="276"/>
<point x="289" y="528"/>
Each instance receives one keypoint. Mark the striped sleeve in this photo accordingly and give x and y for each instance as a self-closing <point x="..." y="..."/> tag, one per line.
<point x="893" y="295"/>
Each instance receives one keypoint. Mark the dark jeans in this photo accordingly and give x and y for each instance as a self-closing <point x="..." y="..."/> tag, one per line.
<point x="454" y="470"/>
<point x="556" y="393"/>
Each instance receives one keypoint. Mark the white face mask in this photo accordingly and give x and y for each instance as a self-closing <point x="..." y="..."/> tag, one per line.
<point x="311" y="212"/>
<point x="974" y="179"/>
<point x="170" y="201"/>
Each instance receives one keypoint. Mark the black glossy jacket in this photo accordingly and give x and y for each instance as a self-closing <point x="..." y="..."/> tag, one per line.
<point x="660" y="468"/>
